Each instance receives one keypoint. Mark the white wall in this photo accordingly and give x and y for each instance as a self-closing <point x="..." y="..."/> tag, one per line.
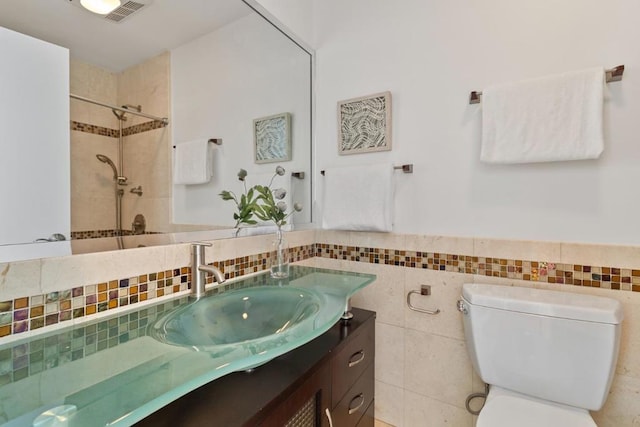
<point x="220" y="83"/>
<point x="297" y="15"/>
<point x="430" y="55"/>
<point x="34" y="137"/>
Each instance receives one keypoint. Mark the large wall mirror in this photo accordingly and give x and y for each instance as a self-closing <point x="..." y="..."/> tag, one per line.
<point x="213" y="69"/>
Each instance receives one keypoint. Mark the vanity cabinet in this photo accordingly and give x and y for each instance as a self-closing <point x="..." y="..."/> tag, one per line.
<point x="334" y="372"/>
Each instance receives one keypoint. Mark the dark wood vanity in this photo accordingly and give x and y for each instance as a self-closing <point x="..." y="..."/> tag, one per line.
<point x="334" y="373"/>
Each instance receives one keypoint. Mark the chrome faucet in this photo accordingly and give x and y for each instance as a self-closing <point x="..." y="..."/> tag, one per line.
<point x="199" y="270"/>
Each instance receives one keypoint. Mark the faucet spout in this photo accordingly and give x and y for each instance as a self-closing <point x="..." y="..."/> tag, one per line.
<point x="214" y="271"/>
<point x="199" y="270"/>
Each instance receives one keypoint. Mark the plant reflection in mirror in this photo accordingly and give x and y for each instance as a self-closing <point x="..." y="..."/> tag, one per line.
<point x="245" y="204"/>
<point x="261" y="201"/>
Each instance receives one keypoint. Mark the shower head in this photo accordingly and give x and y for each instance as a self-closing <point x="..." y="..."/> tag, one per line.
<point x="105" y="159"/>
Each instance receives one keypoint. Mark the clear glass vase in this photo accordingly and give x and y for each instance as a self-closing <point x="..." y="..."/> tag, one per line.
<point x="280" y="256"/>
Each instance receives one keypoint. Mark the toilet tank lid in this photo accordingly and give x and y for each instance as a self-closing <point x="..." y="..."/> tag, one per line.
<point x="544" y="302"/>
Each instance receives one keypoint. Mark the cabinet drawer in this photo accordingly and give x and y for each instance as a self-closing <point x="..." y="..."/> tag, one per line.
<point x="368" y="419"/>
<point x="356" y="402"/>
<point x="351" y="362"/>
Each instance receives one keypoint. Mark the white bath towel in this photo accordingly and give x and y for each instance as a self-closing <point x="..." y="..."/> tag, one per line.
<point x="358" y="198"/>
<point x="192" y="162"/>
<point x="547" y="119"/>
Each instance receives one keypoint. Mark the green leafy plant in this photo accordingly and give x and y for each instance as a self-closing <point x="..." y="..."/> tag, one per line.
<point x="245" y="204"/>
<point x="265" y="203"/>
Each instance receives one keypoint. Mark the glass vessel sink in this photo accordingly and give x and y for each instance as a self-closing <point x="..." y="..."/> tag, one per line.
<point x="242" y="316"/>
<point x="116" y="370"/>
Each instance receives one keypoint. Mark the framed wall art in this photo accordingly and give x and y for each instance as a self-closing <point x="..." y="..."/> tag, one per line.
<point x="364" y="124"/>
<point x="272" y="138"/>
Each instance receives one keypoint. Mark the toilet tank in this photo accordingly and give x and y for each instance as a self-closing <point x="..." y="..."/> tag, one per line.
<point x="555" y="346"/>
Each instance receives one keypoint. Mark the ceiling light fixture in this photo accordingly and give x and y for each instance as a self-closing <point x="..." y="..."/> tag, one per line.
<point x="101" y="7"/>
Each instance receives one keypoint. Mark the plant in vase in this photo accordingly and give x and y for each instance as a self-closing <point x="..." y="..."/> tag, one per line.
<point x="245" y="203"/>
<point x="266" y="204"/>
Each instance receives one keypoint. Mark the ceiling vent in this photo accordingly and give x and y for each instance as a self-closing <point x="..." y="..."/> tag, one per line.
<point x="125" y="10"/>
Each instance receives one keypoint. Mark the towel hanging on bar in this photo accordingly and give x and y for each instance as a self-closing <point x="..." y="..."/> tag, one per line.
<point x="612" y="75"/>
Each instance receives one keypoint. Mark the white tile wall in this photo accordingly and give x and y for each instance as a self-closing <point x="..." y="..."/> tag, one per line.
<point x="437" y="372"/>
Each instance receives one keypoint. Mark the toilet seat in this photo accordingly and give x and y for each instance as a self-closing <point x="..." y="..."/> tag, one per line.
<point x="505" y="408"/>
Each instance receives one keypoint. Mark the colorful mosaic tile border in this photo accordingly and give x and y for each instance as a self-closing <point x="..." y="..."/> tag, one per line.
<point x="21" y="360"/>
<point x="96" y="234"/>
<point x="36" y="312"/>
<point x="96" y="130"/>
<point x="536" y="271"/>
<point x="115" y="133"/>
<point x="143" y="127"/>
<point x="32" y="313"/>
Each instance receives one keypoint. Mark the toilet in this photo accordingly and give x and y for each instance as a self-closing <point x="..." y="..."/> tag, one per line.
<point x="548" y="357"/>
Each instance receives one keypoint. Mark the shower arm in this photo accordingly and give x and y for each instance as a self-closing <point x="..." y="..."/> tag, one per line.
<point x="164" y="120"/>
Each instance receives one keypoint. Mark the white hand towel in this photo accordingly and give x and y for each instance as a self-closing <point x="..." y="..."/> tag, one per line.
<point x="548" y="119"/>
<point x="358" y="198"/>
<point x="192" y="162"/>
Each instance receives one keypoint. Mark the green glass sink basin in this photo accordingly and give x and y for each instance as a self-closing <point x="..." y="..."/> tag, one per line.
<point x="243" y="316"/>
<point x="118" y="369"/>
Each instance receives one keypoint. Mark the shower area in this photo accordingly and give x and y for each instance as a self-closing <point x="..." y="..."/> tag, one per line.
<point x="120" y="171"/>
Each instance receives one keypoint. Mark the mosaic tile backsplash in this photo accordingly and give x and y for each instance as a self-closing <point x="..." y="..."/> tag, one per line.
<point x="536" y="271"/>
<point x="35" y="312"/>
<point x="21" y="360"/>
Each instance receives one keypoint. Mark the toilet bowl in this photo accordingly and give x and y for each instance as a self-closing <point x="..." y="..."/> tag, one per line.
<point x="548" y="356"/>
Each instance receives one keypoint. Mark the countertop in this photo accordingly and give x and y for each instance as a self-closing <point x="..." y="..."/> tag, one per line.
<point x="114" y="373"/>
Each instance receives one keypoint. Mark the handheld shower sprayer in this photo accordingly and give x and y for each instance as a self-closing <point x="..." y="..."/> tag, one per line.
<point x="122" y="180"/>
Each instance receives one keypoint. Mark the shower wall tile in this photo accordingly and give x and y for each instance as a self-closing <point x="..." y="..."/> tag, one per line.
<point x="146" y="157"/>
<point x="92" y="213"/>
<point x="147" y="162"/>
<point x="157" y="212"/>
<point x="89" y="176"/>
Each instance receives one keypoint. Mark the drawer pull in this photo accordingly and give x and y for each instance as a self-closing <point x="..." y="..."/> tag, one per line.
<point x="328" y="414"/>
<point x="356" y="358"/>
<point x="355" y="409"/>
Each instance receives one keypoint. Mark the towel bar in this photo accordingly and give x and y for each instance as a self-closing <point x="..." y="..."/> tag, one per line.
<point x="612" y="75"/>
<point x="217" y="141"/>
<point x="408" y="168"/>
